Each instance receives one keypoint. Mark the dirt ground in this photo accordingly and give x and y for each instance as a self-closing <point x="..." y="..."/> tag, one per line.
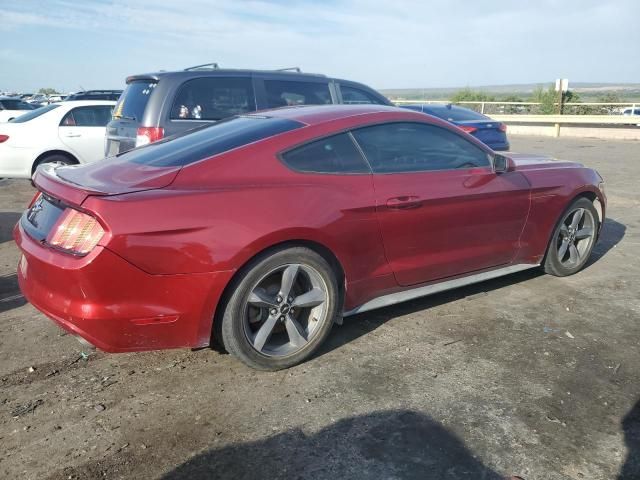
<point x="527" y="375"/>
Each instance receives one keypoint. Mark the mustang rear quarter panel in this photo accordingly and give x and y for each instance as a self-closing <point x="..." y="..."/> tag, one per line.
<point x="553" y="186"/>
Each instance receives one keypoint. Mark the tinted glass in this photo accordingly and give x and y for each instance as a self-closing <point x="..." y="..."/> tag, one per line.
<point x="213" y="98"/>
<point x="286" y="93"/>
<point x="134" y="99"/>
<point x="336" y="154"/>
<point x="16" y="105"/>
<point x="208" y="141"/>
<point x="456" y="114"/>
<point x="25" y="117"/>
<point x="413" y="147"/>
<point x="356" y="96"/>
<point x="97" y="116"/>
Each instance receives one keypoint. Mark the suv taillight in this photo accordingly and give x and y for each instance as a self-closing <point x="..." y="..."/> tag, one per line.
<point x="503" y="127"/>
<point x="146" y="135"/>
<point x="76" y="232"/>
<point x="4" y="138"/>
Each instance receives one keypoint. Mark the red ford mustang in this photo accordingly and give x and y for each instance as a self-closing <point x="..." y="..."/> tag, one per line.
<point x="261" y="231"/>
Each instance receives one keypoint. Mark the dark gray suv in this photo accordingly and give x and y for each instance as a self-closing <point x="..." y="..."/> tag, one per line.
<point x="157" y="105"/>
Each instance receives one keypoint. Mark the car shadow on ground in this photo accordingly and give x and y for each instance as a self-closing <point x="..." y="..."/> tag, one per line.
<point x="366" y="322"/>
<point x="10" y="296"/>
<point x="7" y="222"/>
<point x="387" y="444"/>
<point x="611" y="235"/>
<point x="631" y="428"/>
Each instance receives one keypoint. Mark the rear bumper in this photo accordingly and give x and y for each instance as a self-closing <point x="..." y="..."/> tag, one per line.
<point x="15" y="162"/>
<point x="499" y="147"/>
<point x="114" y="305"/>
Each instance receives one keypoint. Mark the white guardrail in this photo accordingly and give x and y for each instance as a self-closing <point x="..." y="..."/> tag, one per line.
<point x="524" y="117"/>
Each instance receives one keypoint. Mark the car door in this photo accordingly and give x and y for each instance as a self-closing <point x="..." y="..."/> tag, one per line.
<point x="82" y="129"/>
<point x="443" y="211"/>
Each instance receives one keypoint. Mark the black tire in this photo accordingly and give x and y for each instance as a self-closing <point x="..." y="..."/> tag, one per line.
<point x="552" y="264"/>
<point x="231" y="326"/>
<point x="53" y="158"/>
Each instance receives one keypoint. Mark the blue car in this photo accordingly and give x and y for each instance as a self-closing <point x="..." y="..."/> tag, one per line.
<point x="491" y="133"/>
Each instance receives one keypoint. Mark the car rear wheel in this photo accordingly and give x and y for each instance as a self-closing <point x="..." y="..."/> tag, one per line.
<point x="55" y="158"/>
<point x="573" y="239"/>
<point x="281" y="309"/>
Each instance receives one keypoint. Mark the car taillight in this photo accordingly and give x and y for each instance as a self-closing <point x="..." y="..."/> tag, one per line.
<point x="75" y="232"/>
<point x="4" y="138"/>
<point x="33" y="200"/>
<point x="146" y="135"/>
<point x="503" y="127"/>
<point x="468" y="129"/>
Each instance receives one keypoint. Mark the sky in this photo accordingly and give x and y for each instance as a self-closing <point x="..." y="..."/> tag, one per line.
<point x="70" y="45"/>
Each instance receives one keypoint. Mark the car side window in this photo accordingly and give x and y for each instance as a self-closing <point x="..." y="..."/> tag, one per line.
<point x="335" y="154"/>
<point x="16" y="105"/>
<point x="96" y="116"/>
<point x="355" y="96"/>
<point x="417" y="147"/>
<point x="213" y="98"/>
<point x="282" y="93"/>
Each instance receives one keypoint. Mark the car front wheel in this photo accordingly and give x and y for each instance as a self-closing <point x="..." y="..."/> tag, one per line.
<point x="280" y="310"/>
<point x="573" y="239"/>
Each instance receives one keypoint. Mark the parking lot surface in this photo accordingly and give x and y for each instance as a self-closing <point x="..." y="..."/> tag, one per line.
<point x="527" y="375"/>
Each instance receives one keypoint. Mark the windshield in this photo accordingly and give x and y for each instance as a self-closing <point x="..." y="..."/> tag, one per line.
<point x="25" y="117"/>
<point x="134" y="99"/>
<point x="210" y="140"/>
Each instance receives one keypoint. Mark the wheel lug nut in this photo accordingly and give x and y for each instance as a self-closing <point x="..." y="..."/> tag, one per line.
<point x="278" y="298"/>
<point x="282" y="318"/>
<point x="274" y="311"/>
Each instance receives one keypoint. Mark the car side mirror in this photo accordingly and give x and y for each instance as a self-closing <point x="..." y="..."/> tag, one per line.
<point x="502" y="164"/>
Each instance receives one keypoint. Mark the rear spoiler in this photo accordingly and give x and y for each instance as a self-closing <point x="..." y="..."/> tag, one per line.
<point x="149" y="77"/>
<point x="47" y="181"/>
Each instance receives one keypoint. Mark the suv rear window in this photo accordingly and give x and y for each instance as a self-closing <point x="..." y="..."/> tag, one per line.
<point x="282" y="93"/>
<point x="210" y="140"/>
<point x="213" y="98"/>
<point x="134" y="99"/>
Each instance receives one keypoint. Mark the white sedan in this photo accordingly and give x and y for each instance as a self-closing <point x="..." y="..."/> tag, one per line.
<point x="68" y="132"/>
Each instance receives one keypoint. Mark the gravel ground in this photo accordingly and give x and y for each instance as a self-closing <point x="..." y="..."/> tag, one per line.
<point x="527" y="375"/>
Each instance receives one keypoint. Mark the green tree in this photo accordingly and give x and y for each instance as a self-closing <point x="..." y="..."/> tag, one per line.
<point x="468" y="95"/>
<point x="547" y="98"/>
<point x="48" y="91"/>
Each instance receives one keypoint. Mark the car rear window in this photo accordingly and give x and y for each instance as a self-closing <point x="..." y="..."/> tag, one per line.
<point x="456" y="114"/>
<point x="16" y="105"/>
<point x="210" y="140"/>
<point x="213" y="98"/>
<point x="134" y="99"/>
<point x="25" y="117"/>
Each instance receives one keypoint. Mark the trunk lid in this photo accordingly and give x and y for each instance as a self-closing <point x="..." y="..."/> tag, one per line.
<point x="73" y="184"/>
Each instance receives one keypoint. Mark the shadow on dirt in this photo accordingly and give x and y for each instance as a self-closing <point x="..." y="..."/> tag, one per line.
<point x="389" y="444"/>
<point x="631" y="429"/>
<point x="10" y="296"/>
<point x="7" y="221"/>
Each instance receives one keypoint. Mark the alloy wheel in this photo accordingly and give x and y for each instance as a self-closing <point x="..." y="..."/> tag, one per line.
<point x="575" y="237"/>
<point x="285" y="309"/>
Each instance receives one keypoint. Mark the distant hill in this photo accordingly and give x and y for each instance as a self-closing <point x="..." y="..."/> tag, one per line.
<point x="627" y="92"/>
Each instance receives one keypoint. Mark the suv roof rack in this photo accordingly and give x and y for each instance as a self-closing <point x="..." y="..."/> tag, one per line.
<point x="289" y="69"/>
<point x="204" y="66"/>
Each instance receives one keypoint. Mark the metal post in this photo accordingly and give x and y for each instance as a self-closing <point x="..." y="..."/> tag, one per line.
<point x="482" y="108"/>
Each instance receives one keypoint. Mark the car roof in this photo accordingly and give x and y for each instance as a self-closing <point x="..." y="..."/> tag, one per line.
<point x="81" y="103"/>
<point x="316" y="114"/>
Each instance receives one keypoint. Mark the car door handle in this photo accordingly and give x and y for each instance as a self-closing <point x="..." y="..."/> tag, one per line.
<point x="73" y="135"/>
<point x="404" y="202"/>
